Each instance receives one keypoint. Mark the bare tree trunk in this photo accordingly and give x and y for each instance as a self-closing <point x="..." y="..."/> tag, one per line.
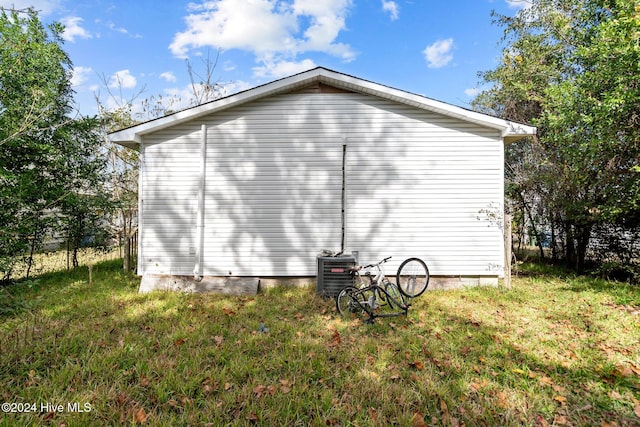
<point x="34" y="242"/>
<point x="507" y="251"/>
<point x="126" y="262"/>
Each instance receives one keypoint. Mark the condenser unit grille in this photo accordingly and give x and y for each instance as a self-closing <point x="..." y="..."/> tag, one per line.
<point x="333" y="274"/>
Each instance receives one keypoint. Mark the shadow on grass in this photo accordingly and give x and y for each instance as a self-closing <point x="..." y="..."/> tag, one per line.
<point x="478" y="357"/>
<point x="515" y="373"/>
<point x="25" y="295"/>
<point x="622" y="293"/>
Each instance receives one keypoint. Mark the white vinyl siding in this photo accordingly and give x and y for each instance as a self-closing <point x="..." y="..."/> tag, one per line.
<point x="419" y="184"/>
<point x="169" y="185"/>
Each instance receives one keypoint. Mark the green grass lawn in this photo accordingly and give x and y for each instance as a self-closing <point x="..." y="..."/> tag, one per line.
<point x="554" y="350"/>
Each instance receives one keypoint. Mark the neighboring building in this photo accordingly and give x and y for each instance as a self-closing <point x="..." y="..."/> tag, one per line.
<point x="252" y="185"/>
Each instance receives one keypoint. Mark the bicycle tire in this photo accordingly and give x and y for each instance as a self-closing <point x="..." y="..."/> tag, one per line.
<point x="349" y="303"/>
<point x="394" y="294"/>
<point x="413" y="277"/>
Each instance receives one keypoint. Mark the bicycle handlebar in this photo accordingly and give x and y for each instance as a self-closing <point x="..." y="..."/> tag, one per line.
<point x="378" y="263"/>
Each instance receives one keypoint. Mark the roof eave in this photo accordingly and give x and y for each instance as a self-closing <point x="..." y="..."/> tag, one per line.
<point x="516" y="131"/>
<point x="511" y="131"/>
<point x="132" y="137"/>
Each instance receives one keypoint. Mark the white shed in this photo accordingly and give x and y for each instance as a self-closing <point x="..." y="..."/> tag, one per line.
<point x="255" y="184"/>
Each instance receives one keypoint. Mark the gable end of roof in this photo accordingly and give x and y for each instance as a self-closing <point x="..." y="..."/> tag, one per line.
<point x="322" y="79"/>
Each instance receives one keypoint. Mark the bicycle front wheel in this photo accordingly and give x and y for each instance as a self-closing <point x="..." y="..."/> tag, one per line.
<point x="412" y="277"/>
<point x="394" y="297"/>
<point x="350" y="303"/>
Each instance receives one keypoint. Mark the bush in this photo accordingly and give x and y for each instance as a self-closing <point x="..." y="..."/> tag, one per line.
<point x="621" y="272"/>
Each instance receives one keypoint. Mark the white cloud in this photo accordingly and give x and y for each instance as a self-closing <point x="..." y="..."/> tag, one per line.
<point x="122" y="79"/>
<point x="228" y="66"/>
<point x="519" y="4"/>
<point x="80" y="75"/>
<point x="392" y="8"/>
<point x="283" y="68"/>
<point x="327" y="19"/>
<point x="472" y="91"/>
<point x="168" y="76"/>
<point x="229" y="24"/>
<point x="72" y="29"/>
<point x="113" y="27"/>
<point x="117" y="29"/>
<point x="44" y="7"/>
<point x="273" y="30"/>
<point x="439" y="53"/>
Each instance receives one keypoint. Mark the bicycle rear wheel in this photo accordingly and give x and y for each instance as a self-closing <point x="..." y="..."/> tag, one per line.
<point x="412" y="277"/>
<point x="350" y="303"/>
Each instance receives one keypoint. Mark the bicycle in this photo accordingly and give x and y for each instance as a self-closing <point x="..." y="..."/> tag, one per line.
<point x="380" y="297"/>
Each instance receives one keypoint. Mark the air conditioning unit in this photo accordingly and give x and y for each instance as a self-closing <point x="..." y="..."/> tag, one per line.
<point x="333" y="274"/>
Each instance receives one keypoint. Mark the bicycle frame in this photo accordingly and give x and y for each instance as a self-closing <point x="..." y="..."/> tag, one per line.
<point x="378" y="289"/>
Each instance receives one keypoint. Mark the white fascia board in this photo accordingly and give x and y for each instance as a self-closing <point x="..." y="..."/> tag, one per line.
<point x="510" y="131"/>
<point x="132" y="136"/>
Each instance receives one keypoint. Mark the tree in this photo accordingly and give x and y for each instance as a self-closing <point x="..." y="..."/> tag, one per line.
<point x="571" y="67"/>
<point x="203" y="86"/>
<point x="41" y="146"/>
<point x="123" y="162"/>
<point x="84" y="209"/>
<point x="596" y="114"/>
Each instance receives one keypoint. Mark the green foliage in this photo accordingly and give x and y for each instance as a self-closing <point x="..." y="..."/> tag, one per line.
<point x="572" y="67"/>
<point x="50" y="164"/>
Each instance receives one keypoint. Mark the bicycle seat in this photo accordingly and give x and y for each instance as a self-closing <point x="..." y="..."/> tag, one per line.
<point x="355" y="268"/>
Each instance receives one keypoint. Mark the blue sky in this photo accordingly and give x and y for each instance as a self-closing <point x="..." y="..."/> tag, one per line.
<point x="120" y="48"/>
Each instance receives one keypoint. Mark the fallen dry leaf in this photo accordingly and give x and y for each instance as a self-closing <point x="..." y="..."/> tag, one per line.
<point x="259" y="390"/>
<point x="285" y="389"/>
<point x="285" y="386"/>
<point x="475" y="386"/>
<point x="502" y="400"/>
<point x="335" y="338"/>
<point x="540" y="421"/>
<point x="373" y="414"/>
<point x="623" y="370"/>
<point x="417" y="365"/>
<point x="395" y="374"/>
<point x="445" y="412"/>
<point x="560" y="399"/>
<point x="418" y="420"/>
<point x="615" y="395"/>
<point x="179" y="342"/>
<point x="140" y="417"/>
<point x="546" y="380"/>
